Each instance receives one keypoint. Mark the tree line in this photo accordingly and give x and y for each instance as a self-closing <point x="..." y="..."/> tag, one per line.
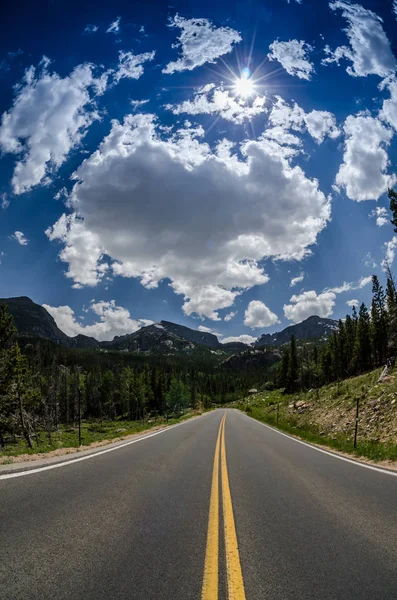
<point x="44" y="386"/>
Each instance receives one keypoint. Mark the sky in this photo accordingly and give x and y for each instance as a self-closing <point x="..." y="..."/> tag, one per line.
<point x="220" y="165"/>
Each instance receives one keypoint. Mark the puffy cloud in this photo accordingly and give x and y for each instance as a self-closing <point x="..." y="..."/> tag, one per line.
<point x="293" y="56"/>
<point x="381" y="215"/>
<point x="20" y="238"/>
<point x="131" y="65"/>
<point x="353" y="302"/>
<point x="208" y="218"/>
<point x="363" y="172"/>
<point x="296" y="280"/>
<point x="113" y="320"/>
<point x="390" y="252"/>
<point x="309" y="303"/>
<point x="285" y="117"/>
<point x="370" y="52"/>
<point x="245" y="339"/>
<point x="219" y="101"/>
<point x="200" y="42"/>
<point x="82" y="251"/>
<point x="114" y="27"/>
<point x="90" y="28"/>
<point x="257" y="314"/>
<point x="49" y="117"/>
<point x="388" y="113"/>
<point x="230" y="316"/>
<point x="321" y="123"/>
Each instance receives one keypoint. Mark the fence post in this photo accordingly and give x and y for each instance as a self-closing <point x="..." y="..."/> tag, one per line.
<point x="356" y="427"/>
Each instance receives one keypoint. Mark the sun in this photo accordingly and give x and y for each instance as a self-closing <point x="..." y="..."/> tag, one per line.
<point x="245" y="86"/>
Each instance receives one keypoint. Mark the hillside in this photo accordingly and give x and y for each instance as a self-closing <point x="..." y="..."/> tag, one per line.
<point x="312" y="328"/>
<point x="327" y="415"/>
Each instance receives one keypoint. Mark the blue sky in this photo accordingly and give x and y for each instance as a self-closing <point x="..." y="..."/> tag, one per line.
<point x="221" y="165"/>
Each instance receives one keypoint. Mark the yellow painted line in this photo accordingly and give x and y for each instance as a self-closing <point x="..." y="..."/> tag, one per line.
<point x="210" y="581"/>
<point x="235" y="583"/>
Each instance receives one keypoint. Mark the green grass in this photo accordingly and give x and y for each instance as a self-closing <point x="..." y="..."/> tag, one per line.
<point x="365" y="448"/>
<point x="92" y="431"/>
<point x="329" y="420"/>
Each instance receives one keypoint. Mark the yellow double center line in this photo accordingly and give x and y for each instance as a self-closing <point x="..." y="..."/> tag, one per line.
<point x="235" y="584"/>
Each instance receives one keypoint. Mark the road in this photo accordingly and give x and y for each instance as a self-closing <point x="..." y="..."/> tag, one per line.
<point x="218" y="508"/>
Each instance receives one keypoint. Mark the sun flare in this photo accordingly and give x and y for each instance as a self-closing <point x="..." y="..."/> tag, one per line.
<point x="245" y="86"/>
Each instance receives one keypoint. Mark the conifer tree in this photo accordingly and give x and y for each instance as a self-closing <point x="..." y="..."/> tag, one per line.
<point x="378" y="322"/>
<point x="293" y="367"/>
<point x="393" y="207"/>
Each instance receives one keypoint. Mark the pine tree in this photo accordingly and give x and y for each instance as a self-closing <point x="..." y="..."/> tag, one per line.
<point x="362" y="350"/>
<point x="391" y="307"/>
<point x="293" y="367"/>
<point x="284" y="367"/>
<point x="393" y="207"/>
<point x="378" y="322"/>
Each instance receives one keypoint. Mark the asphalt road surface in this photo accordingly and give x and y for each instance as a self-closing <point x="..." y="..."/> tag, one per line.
<point x="215" y="508"/>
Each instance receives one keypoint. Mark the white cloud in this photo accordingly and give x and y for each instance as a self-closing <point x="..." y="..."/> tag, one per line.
<point x="364" y="281"/>
<point x="210" y="101"/>
<point x="200" y="42"/>
<point x="257" y="314"/>
<point x="49" y="117"/>
<point x="2" y="254"/>
<point x="390" y="252"/>
<point x="114" y="27"/>
<point x="381" y="215"/>
<point x="285" y="117"/>
<point x="395" y="7"/>
<point x="220" y="218"/>
<point x="5" y="203"/>
<point x="296" y="280"/>
<point x="388" y="113"/>
<point x="363" y="172"/>
<point x="205" y="329"/>
<point x="353" y="302"/>
<point x="138" y="103"/>
<point x="113" y="320"/>
<point x="348" y="287"/>
<point x="245" y="339"/>
<point x="230" y="316"/>
<point x="293" y="56"/>
<point x="370" y="52"/>
<point x="130" y="65"/>
<point x="20" y="238"/>
<point x="309" y="303"/>
<point x="91" y="28"/>
<point x="321" y="123"/>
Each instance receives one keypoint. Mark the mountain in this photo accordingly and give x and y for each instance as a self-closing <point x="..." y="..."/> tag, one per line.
<point x="312" y="328"/>
<point x="33" y="320"/>
<point x="153" y="338"/>
<point x="197" y="337"/>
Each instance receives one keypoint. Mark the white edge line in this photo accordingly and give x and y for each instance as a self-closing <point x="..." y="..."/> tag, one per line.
<point x="72" y="461"/>
<point x="333" y="454"/>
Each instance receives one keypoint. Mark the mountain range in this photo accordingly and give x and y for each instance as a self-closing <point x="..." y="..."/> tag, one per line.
<point x="33" y="320"/>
